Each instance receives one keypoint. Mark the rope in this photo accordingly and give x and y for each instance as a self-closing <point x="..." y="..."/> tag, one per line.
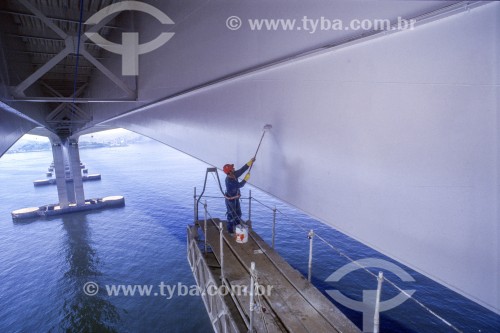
<point x="263" y="204"/>
<point x="424" y="306"/>
<point x="366" y="269"/>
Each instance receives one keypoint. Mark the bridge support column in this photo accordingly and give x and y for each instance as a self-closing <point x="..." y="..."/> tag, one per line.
<point x="58" y="155"/>
<point x="76" y="171"/>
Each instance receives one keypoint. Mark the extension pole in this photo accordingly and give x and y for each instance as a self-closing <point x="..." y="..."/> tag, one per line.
<point x="266" y="127"/>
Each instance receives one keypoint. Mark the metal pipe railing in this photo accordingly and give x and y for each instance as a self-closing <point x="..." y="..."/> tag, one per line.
<point x="311" y="235"/>
<point x="376" y="316"/>
<point x="205" y="226"/>
<point x="250" y="207"/>
<point x="195" y="207"/>
<point x="197" y="202"/>
<point x="252" y="292"/>
<point x="221" y="239"/>
<point x="274" y="227"/>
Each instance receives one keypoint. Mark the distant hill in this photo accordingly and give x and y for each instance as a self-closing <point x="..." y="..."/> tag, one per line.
<point x="24" y="145"/>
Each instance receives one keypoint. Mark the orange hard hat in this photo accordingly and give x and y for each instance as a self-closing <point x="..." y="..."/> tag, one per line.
<point x="228" y="168"/>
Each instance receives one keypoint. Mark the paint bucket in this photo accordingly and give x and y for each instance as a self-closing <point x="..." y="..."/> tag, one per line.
<point x="241" y="234"/>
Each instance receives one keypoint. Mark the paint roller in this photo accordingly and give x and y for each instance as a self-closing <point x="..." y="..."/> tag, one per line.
<point x="266" y="128"/>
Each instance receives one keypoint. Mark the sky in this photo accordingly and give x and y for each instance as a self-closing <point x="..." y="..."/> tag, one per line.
<point x="98" y="136"/>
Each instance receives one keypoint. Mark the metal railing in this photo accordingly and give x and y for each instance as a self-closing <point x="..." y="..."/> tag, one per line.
<point x="220" y="316"/>
<point x="254" y="285"/>
<point x="310" y="235"/>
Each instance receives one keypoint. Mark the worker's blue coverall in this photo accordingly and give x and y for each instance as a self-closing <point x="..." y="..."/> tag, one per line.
<point x="233" y="205"/>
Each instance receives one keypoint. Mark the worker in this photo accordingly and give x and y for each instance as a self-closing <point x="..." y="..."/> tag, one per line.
<point x="233" y="194"/>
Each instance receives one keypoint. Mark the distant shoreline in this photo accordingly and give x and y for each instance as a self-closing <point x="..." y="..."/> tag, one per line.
<point x="28" y="148"/>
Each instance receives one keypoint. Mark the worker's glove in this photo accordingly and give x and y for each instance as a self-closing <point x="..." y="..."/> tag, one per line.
<point x="247" y="177"/>
<point x="249" y="163"/>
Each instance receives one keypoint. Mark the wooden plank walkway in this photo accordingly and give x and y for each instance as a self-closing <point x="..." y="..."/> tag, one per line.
<point x="290" y="303"/>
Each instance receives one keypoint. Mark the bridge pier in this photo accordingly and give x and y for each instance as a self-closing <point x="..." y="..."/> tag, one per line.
<point x="70" y="191"/>
<point x="67" y="153"/>
<point x="58" y="155"/>
<point x="74" y="157"/>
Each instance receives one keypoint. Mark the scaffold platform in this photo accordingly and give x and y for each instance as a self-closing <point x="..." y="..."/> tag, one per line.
<point x="283" y="301"/>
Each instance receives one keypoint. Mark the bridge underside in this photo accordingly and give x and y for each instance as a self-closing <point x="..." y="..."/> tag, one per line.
<point x="391" y="137"/>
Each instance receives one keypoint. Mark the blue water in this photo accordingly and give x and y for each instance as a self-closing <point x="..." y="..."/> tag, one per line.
<point x="44" y="264"/>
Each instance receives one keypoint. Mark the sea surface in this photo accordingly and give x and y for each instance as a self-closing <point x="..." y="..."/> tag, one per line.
<point x="45" y="265"/>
